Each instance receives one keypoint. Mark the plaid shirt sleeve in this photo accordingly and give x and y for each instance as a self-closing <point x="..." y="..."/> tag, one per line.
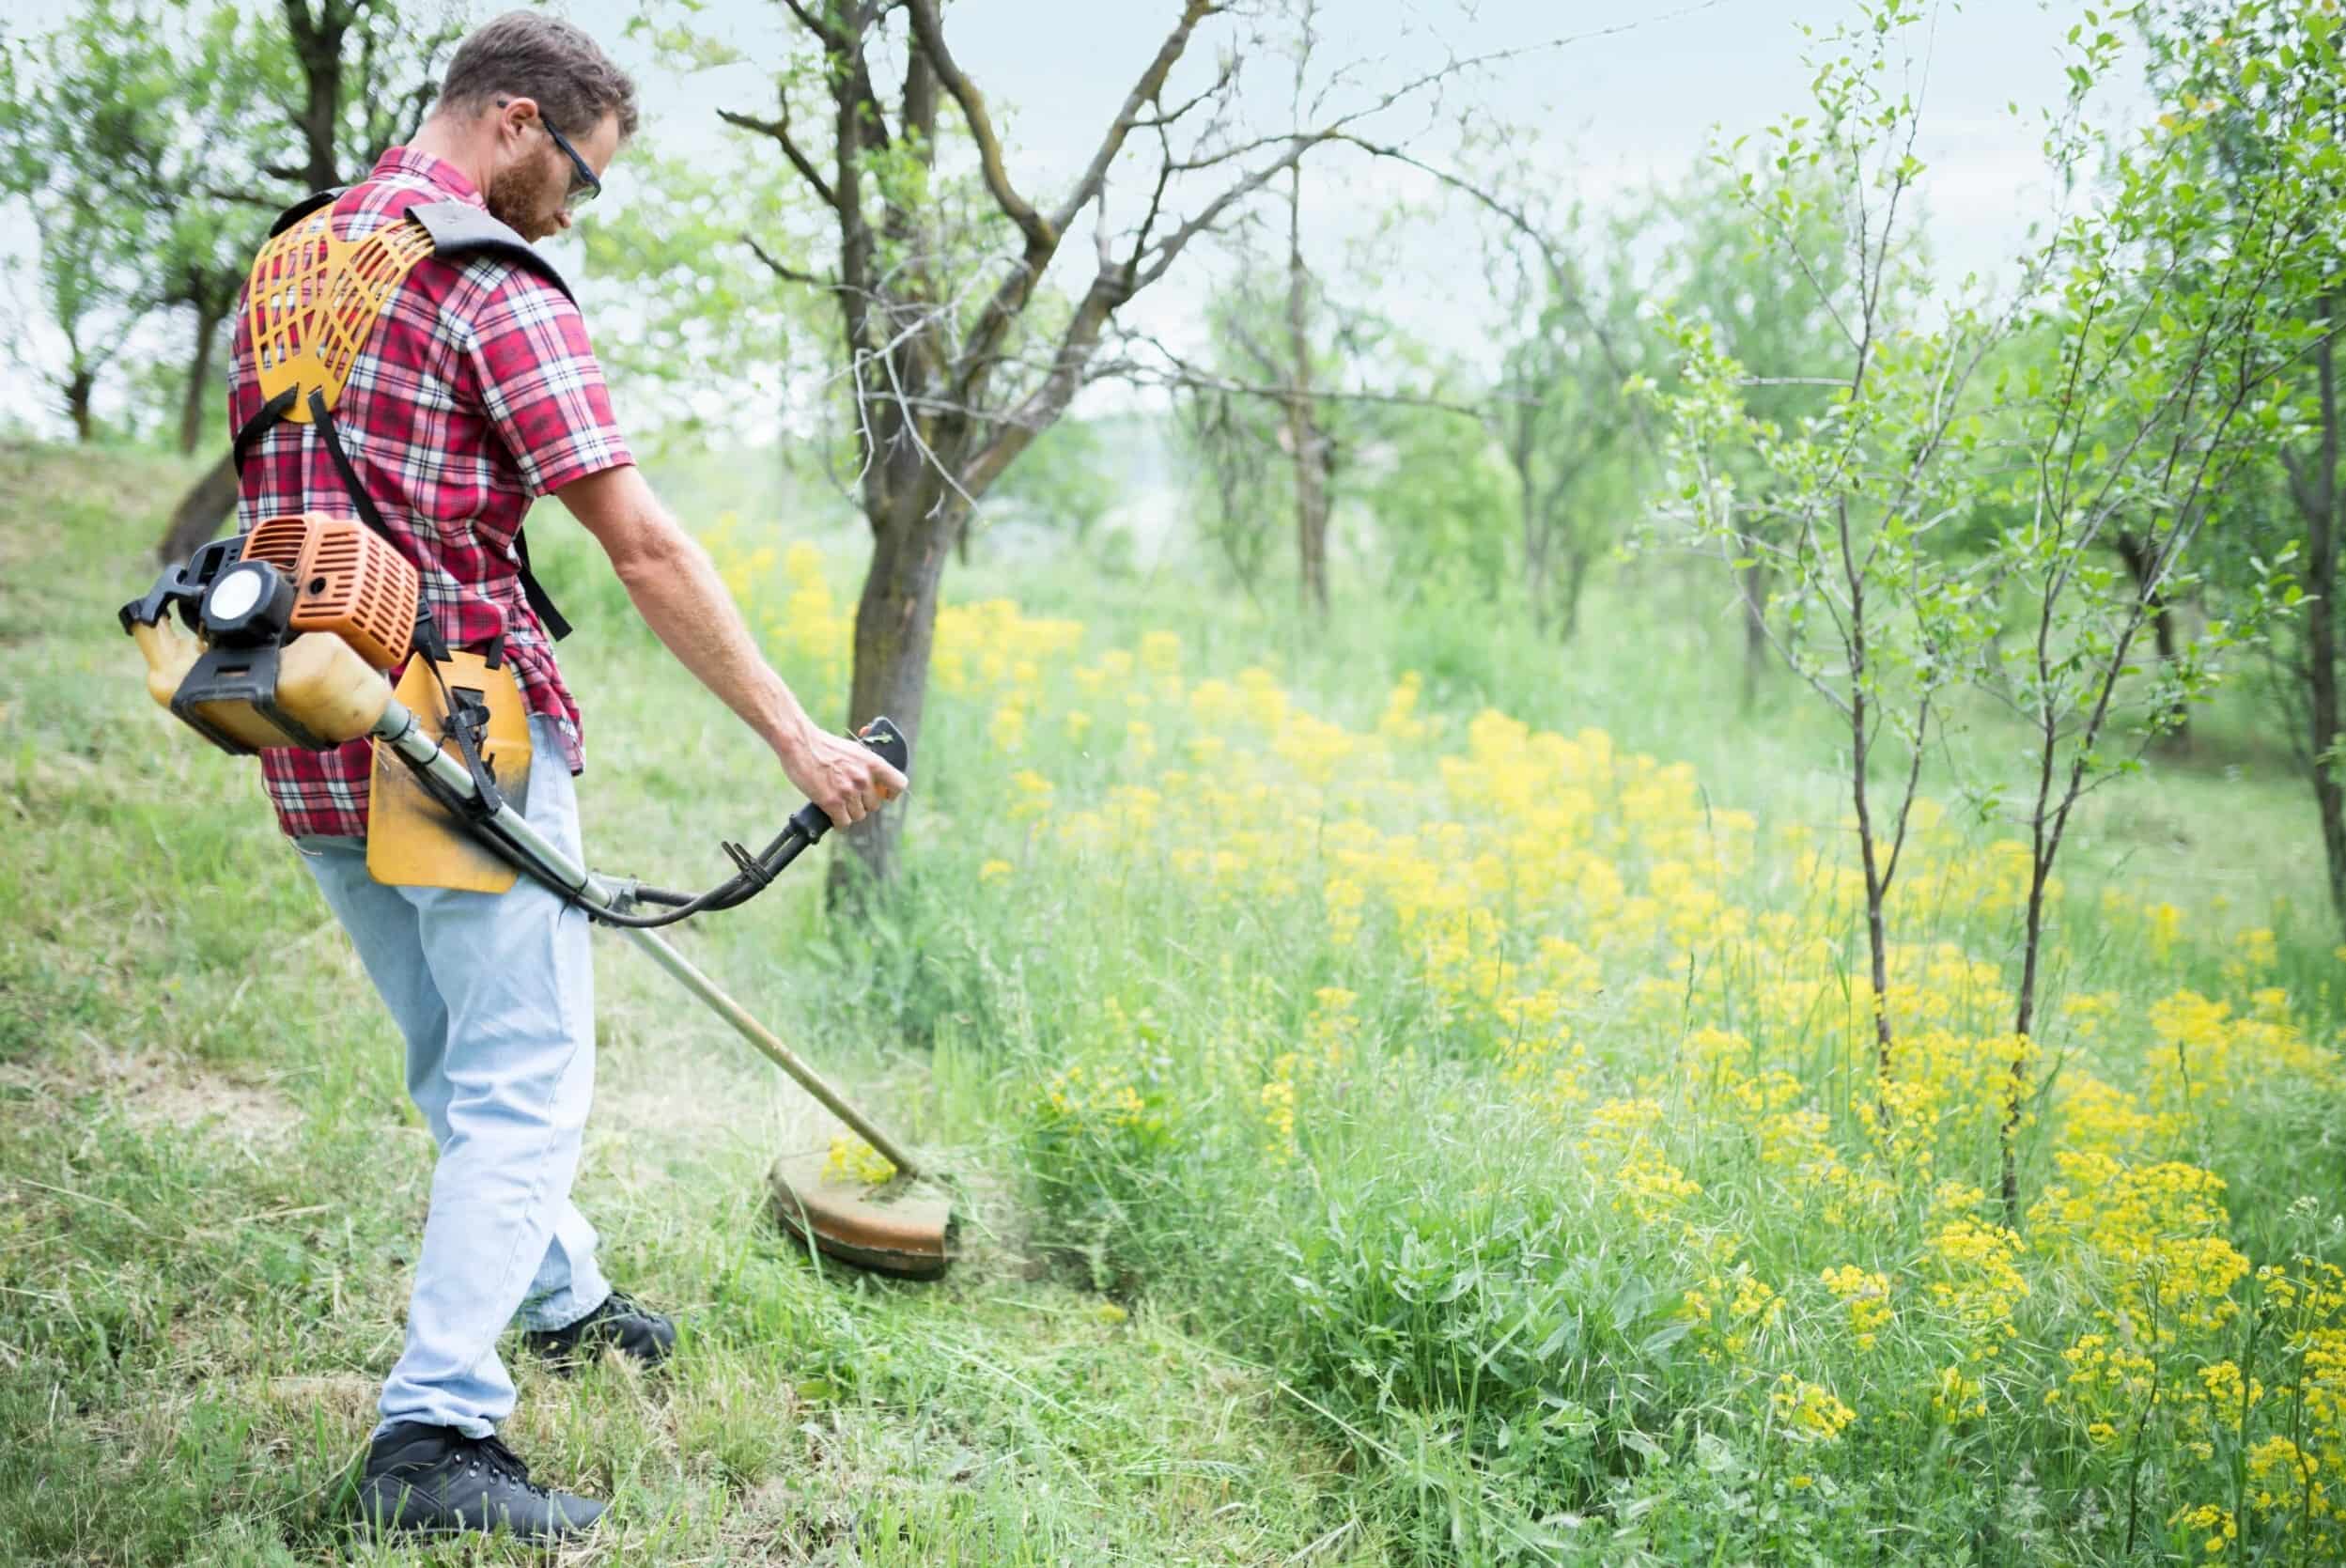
<point x="540" y="384"/>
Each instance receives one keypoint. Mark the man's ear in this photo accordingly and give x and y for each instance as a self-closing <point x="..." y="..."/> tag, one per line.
<point x="515" y="114"/>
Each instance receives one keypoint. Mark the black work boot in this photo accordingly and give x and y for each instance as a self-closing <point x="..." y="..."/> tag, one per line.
<point x="435" y="1481"/>
<point x="633" y="1329"/>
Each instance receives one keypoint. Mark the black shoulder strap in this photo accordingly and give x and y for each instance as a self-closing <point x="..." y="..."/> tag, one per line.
<point x="303" y="209"/>
<point x="459" y="230"/>
<point x="272" y="414"/>
<point x="426" y="625"/>
<point x="541" y="601"/>
<point x="260" y="425"/>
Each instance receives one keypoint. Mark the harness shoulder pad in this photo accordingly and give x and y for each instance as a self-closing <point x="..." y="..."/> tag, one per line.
<point x="459" y="230"/>
<point x="303" y="209"/>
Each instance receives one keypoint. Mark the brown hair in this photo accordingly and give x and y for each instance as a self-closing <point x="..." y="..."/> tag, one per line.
<point x="530" y="55"/>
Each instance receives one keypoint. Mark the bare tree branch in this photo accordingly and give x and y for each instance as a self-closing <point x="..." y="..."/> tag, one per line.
<point x="779" y="129"/>
<point x="1185" y="376"/>
<point x="1560" y="274"/>
<point x="930" y="30"/>
<point x="1165" y="119"/>
<point x="831" y="38"/>
<point x="1144" y="90"/>
<point x="975" y="360"/>
<point x="1168" y="250"/>
<point x="784" y="270"/>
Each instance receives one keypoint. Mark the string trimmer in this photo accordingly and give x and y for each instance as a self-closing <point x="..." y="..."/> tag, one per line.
<point x="284" y="637"/>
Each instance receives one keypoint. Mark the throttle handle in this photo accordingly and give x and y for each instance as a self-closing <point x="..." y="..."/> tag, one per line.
<point x="888" y="743"/>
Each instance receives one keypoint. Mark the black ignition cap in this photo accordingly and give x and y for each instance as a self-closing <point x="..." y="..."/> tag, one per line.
<point x="247" y="606"/>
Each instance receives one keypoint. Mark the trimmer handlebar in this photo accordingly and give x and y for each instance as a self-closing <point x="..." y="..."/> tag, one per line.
<point x="888" y="743"/>
<point x="448" y="780"/>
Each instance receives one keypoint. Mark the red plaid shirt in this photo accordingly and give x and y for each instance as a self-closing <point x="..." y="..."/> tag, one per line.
<point x="476" y="393"/>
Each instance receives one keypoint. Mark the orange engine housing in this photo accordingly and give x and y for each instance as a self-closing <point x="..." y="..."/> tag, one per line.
<point x="346" y="580"/>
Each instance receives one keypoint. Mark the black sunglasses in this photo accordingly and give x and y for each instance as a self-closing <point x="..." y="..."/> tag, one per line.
<point x="584" y="187"/>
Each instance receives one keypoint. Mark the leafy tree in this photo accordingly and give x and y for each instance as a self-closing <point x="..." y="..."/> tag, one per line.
<point x="1444" y="499"/>
<point x="363" y="73"/>
<point x="1231" y="437"/>
<point x="94" y="268"/>
<point x="92" y="297"/>
<point x="1380" y="435"/>
<point x="1832" y="501"/>
<point x="175" y="144"/>
<point x="957" y="354"/>
<point x="2166" y="313"/>
<point x="2242" y="85"/>
<point x="708" y="334"/>
<point x="276" y="109"/>
<point x="2182" y="306"/>
<point x="1309" y="445"/>
<point x="1283" y="343"/>
<point x="1267" y="431"/>
<point x="1573" y="342"/>
<point x="1572" y="434"/>
<point x="178" y="127"/>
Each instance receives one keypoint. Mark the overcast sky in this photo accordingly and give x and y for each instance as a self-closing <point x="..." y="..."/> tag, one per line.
<point x="1637" y="97"/>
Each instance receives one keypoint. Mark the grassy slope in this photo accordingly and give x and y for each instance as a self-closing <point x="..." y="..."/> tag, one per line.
<point x="194" y="1305"/>
<point x="210" y="1184"/>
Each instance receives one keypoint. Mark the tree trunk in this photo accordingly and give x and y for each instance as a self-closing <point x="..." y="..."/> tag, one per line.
<point x="1568" y="593"/>
<point x="201" y="512"/>
<point x="2024" y="1025"/>
<point x="1311" y="506"/>
<point x="2140" y="562"/>
<point x="1876" y="897"/>
<point x="199" y="387"/>
<point x="2329" y="758"/>
<point x="1876" y="874"/>
<point x="1752" y="581"/>
<point x="2319" y="503"/>
<point x="318" y="44"/>
<point x="1535" y="534"/>
<point x="895" y="624"/>
<point x="79" y="387"/>
<point x="1307" y="446"/>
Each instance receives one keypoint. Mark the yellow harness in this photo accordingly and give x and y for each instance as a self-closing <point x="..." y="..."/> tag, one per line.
<point x="312" y="302"/>
<point x="311" y="299"/>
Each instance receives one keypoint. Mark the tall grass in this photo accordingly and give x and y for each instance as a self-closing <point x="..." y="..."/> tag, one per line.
<point x="1509" y="1094"/>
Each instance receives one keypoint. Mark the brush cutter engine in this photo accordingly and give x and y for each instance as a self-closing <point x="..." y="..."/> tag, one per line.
<point x="278" y="637"/>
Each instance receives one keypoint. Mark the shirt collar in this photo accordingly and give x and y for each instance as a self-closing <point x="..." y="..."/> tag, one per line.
<point x="405" y="162"/>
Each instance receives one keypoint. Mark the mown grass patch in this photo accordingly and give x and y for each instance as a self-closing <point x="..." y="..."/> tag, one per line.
<point x="210" y="1187"/>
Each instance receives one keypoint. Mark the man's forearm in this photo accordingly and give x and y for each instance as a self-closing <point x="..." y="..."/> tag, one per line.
<point x="680" y="595"/>
<point x="676" y="590"/>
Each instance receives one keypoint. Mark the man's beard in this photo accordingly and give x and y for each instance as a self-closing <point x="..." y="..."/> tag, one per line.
<point x="519" y="198"/>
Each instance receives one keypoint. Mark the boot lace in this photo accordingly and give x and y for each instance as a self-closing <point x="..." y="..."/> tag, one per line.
<point x="492" y="1454"/>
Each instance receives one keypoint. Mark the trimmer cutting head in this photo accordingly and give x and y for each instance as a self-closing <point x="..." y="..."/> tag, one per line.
<point x="900" y="1228"/>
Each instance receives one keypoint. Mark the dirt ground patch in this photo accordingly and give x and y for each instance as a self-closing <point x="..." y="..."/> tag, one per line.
<point x="159" y="1089"/>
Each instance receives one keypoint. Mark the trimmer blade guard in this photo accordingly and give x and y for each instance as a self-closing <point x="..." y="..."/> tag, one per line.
<point x="900" y="1229"/>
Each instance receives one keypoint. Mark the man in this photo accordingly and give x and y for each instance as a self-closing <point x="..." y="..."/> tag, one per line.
<point x="476" y="392"/>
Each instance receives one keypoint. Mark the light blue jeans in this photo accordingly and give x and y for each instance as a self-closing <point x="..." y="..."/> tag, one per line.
<point x="495" y="993"/>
